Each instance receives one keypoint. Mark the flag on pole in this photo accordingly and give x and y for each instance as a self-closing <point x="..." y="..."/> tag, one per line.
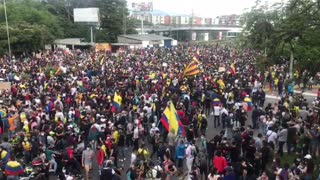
<point x="171" y="121"/>
<point x="117" y="100"/>
<point x="193" y="67"/>
<point x="102" y="58"/>
<point x="232" y="69"/>
<point x="58" y="71"/>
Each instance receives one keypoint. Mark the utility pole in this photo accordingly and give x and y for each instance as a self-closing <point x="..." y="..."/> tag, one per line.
<point x="191" y="25"/>
<point x="7" y="26"/>
<point x="124" y="18"/>
<point x="142" y="17"/>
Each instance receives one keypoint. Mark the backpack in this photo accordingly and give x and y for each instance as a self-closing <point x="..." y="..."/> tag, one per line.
<point x="140" y="155"/>
<point x="121" y="138"/>
<point x="129" y="174"/>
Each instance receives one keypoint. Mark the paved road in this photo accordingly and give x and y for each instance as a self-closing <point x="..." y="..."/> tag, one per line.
<point x="211" y="132"/>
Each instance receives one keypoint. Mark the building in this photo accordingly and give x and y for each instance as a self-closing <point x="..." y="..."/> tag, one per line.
<point x="155" y="17"/>
<point x="71" y="43"/>
<point x="146" y="40"/>
<point x="233" y="19"/>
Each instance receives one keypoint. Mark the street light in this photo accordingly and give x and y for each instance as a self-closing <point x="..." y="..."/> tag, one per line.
<point x="7" y="26"/>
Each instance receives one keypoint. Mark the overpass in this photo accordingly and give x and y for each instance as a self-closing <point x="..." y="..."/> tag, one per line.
<point x="194" y="32"/>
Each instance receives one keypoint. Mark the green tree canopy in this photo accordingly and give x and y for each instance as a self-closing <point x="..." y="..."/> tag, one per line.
<point x="284" y="28"/>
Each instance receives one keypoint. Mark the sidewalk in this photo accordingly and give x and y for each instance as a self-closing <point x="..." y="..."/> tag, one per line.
<point x="274" y="94"/>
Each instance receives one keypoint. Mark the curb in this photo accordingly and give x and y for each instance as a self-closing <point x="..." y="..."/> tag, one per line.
<point x="305" y="94"/>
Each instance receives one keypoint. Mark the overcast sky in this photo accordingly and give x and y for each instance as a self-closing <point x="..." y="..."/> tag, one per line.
<point x="205" y="8"/>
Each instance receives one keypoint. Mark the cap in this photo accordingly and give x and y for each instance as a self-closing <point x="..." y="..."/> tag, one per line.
<point x="308" y="156"/>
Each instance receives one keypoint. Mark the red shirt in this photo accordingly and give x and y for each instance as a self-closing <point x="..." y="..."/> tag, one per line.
<point x="100" y="157"/>
<point x="70" y="153"/>
<point x="219" y="163"/>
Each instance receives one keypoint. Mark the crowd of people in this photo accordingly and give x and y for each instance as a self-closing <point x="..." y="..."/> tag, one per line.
<point x="60" y="117"/>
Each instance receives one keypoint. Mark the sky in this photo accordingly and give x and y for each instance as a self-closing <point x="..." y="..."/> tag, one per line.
<point x="204" y="8"/>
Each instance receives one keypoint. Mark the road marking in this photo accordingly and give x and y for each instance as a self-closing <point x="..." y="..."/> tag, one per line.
<point x="272" y="97"/>
<point x="278" y="97"/>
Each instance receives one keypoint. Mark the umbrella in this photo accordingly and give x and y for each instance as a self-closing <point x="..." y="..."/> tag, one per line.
<point x="13" y="168"/>
<point x="212" y="95"/>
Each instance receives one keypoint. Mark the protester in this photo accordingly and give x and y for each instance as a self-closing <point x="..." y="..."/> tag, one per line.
<point x="79" y="107"/>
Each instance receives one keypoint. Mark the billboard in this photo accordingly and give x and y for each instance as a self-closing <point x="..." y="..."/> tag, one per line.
<point x="141" y="6"/>
<point x="86" y="15"/>
<point x="102" y="47"/>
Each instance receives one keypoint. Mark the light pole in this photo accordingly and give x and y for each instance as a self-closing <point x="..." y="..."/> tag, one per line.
<point x="7" y="26"/>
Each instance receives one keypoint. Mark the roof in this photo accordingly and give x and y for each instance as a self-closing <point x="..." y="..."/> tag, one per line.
<point x="146" y="37"/>
<point x="71" y="41"/>
<point x="120" y="44"/>
<point x="155" y="12"/>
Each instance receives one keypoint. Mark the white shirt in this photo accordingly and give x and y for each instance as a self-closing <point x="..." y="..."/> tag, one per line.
<point x="216" y="110"/>
<point x="148" y="111"/>
<point x="136" y="133"/>
<point x="272" y="136"/>
<point x="133" y="158"/>
<point x="73" y="91"/>
<point x="224" y="111"/>
<point x="189" y="150"/>
<point x="153" y="131"/>
<point x="59" y="115"/>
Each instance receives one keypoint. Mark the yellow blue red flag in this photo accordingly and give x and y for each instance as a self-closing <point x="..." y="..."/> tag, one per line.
<point x="171" y="121"/>
<point x="193" y="67"/>
<point x="117" y="101"/>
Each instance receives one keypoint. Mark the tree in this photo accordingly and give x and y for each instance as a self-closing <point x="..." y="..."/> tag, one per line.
<point x="285" y="30"/>
<point x="30" y="26"/>
<point x="24" y="37"/>
<point x="114" y="20"/>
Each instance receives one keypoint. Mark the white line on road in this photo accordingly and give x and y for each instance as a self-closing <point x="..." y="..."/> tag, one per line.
<point x="305" y="94"/>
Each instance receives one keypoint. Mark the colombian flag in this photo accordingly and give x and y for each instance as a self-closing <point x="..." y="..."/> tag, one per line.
<point x="58" y="71"/>
<point x="232" y="69"/>
<point x="102" y="58"/>
<point x="247" y="104"/>
<point x="13" y="168"/>
<point x="193" y="67"/>
<point x="171" y="121"/>
<point x="117" y="100"/>
<point x="216" y="102"/>
<point x="221" y="84"/>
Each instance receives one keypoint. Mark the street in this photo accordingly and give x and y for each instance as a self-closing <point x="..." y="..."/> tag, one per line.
<point x="211" y="132"/>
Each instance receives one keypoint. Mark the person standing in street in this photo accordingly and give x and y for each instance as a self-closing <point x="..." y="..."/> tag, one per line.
<point x="282" y="138"/>
<point x="216" y="113"/>
<point x="190" y="151"/>
<point x="171" y="139"/>
<point x="87" y="158"/>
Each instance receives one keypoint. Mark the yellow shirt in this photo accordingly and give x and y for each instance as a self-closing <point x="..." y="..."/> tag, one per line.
<point x="143" y="152"/>
<point x="116" y="136"/>
<point x="26" y="128"/>
<point x="276" y="81"/>
<point x="26" y="146"/>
